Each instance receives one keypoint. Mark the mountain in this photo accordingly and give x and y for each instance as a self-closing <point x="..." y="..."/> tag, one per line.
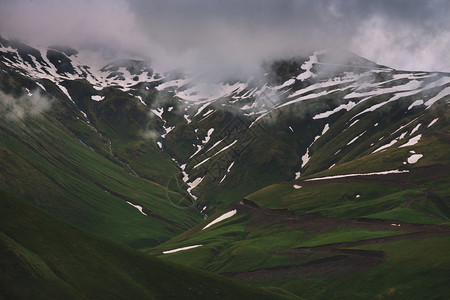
<point x="321" y="171"/>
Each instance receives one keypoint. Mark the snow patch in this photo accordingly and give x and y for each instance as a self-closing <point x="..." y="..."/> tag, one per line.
<point x="356" y="175"/>
<point x="215" y="144"/>
<point x="138" y="207"/>
<point x="354" y="122"/>
<point x="412" y="141"/>
<point x="221" y="218"/>
<point x="403" y="126"/>
<point x="415" y="103"/>
<point x="223" y="178"/>
<point x="181" y="249"/>
<point x="173" y="83"/>
<point x="192" y="185"/>
<point x="208" y="136"/>
<point x="307" y="66"/>
<point x="415" y="129"/>
<point x="226" y="147"/>
<point x="432" y="122"/>
<point x="142" y="101"/>
<point x="353" y="140"/>
<point x="201" y="109"/>
<point x="412" y="85"/>
<point x="386" y="146"/>
<point x="167" y="130"/>
<point x="326" y="114"/>
<point x="158" y="112"/>
<point x="229" y="168"/>
<point x="414" y="158"/>
<point x="285" y="84"/>
<point x="41" y="86"/>
<point x="97" y="98"/>
<point x="66" y="92"/>
<point x="297" y="186"/>
<point x="305" y="158"/>
<point x="325" y="128"/>
<point x="445" y="92"/>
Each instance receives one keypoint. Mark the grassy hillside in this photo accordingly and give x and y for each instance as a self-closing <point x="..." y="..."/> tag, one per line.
<point x="42" y="257"/>
<point x="52" y="156"/>
<point x="319" y="238"/>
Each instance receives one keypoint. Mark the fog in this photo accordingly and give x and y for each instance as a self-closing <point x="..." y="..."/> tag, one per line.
<point x="237" y="35"/>
<point x="19" y="108"/>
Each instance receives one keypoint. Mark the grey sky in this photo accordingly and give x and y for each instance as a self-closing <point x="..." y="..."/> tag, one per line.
<point x="230" y="34"/>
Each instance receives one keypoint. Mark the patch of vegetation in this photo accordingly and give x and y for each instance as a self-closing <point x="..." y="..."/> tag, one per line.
<point x="405" y="215"/>
<point x="340" y="235"/>
<point x="414" y="269"/>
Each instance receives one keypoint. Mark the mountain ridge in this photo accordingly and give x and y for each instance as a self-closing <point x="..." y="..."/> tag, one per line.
<point x="152" y="159"/>
<point x="268" y="101"/>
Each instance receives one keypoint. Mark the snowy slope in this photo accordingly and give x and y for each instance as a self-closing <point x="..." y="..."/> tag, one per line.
<point x="212" y="130"/>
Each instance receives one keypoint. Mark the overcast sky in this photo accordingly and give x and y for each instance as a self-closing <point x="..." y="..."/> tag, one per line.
<point x="404" y="34"/>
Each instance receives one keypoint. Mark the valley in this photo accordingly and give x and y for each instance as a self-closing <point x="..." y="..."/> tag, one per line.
<point x="323" y="177"/>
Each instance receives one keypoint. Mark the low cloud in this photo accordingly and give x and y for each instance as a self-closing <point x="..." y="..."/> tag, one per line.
<point x="149" y="134"/>
<point x="237" y="35"/>
<point x="404" y="46"/>
<point x="17" y="109"/>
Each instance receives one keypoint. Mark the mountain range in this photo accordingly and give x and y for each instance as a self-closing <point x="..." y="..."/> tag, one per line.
<point x="322" y="176"/>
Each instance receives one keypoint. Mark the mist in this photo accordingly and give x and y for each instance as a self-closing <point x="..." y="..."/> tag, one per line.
<point x="237" y="36"/>
<point x="19" y="108"/>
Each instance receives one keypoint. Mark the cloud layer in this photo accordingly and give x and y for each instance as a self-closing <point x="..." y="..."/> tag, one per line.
<point x="239" y="34"/>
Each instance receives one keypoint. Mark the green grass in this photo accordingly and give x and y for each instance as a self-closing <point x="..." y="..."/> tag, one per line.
<point x="238" y="245"/>
<point x="82" y="186"/>
<point x="405" y="215"/>
<point x="414" y="269"/>
<point x="341" y="235"/>
<point x="334" y="199"/>
<point x="230" y="246"/>
<point x="42" y="257"/>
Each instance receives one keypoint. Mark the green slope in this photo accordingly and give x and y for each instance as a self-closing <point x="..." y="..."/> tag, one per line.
<point x="317" y="239"/>
<point x="56" y="160"/>
<point x="44" y="258"/>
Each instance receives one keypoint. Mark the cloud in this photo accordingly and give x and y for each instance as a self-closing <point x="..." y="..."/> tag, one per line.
<point x="404" y="46"/>
<point x="73" y="23"/>
<point x="150" y="134"/>
<point x="16" y="109"/>
<point x="235" y="35"/>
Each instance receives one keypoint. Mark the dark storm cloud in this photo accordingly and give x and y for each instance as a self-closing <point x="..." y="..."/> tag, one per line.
<point x="239" y="34"/>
